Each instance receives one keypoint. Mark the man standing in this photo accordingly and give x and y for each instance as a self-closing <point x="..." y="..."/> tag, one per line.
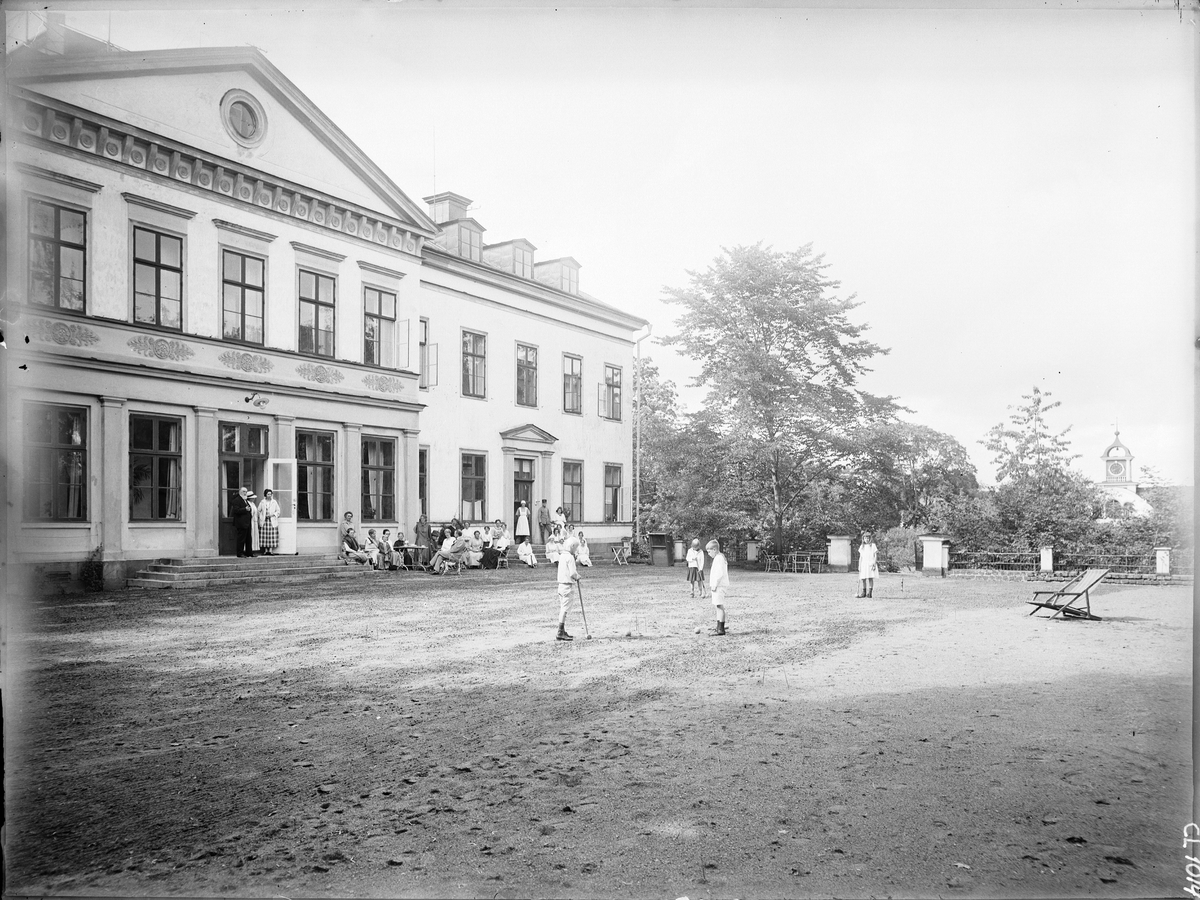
<point x="543" y="522"/>
<point x="242" y="511"/>
<point x="718" y="581"/>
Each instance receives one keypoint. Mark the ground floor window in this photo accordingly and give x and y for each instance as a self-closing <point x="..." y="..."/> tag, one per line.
<point x="378" y="480"/>
<point x="474" y="487"/>
<point x="572" y="498"/>
<point x="155" y="467"/>
<point x="55" y="462"/>
<point x="612" y="493"/>
<point x="314" y="475"/>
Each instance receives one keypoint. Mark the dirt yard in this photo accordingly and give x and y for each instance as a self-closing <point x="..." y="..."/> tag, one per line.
<point x="418" y="736"/>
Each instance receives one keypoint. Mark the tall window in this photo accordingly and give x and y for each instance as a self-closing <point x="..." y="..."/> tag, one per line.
<point x="57" y="249"/>
<point x="242" y="286"/>
<point x="157" y="279"/>
<point x="423" y="479"/>
<point x="378" y="480"/>
<point x="469" y="243"/>
<point x="474" y="364"/>
<point x="612" y="493"/>
<point x="610" y="393"/>
<point x="379" y="336"/>
<point x="155" y="467"/>
<point x="572" y="384"/>
<point x="314" y="475"/>
<point x="572" y="499"/>
<point x="526" y="375"/>
<point x="474" y="487"/>
<point x="316" y="313"/>
<point x="55" y="462"/>
<point x="523" y="262"/>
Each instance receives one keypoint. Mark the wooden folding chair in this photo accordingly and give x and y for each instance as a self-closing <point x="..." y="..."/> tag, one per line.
<point x="1063" y="600"/>
<point x="502" y="560"/>
<point x="620" y="555"/>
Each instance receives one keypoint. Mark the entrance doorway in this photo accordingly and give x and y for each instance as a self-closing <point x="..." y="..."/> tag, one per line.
<point x="523" y="490"/>
<point x="243" y="463"/>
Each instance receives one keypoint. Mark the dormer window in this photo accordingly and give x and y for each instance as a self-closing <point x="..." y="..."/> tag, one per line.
<point x="523" y="262"/>
<point x="470" y="243"/>
<point x="570" y="280"/>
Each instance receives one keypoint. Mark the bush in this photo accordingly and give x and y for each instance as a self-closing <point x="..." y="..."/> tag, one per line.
<point x="897" y="549"/>
<point x="91" y="573"/>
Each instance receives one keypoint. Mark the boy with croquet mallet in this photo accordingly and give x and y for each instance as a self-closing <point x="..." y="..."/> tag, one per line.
<point x="718" y="581"/>
<point x="568" y="576"/>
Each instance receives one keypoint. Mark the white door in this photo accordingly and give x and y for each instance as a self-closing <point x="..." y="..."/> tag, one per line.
<point x="281" y="479"/>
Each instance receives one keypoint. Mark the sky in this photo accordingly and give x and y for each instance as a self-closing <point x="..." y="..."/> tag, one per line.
<point x="1009" y="194"/>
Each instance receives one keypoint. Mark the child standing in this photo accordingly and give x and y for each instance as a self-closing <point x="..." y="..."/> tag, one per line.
<point x="718" y="581"/>
<point x="868" y="565"/>
<point x="695" y="567"/>
<point x="568" y="575"/>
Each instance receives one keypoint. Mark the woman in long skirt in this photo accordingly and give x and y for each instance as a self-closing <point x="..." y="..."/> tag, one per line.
<point x="268" y="523"/>
<point x="522" y="522"/>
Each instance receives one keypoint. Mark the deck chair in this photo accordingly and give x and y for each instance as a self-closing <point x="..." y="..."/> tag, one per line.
<point x="1065" y="600"/>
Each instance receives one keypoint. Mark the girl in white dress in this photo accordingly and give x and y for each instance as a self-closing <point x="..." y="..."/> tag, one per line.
<point x="868" y="565"/>
<point x="583" y="556"/>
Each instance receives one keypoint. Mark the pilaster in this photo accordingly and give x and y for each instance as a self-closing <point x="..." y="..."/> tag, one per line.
<point x="350" y="487"/>
<point x="205" y="506"/>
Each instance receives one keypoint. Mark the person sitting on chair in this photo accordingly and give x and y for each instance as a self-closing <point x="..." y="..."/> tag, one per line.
<point x="352" y="550"/>
<point x="473" y="557"/>
<point x="387" y="554"/>
<point x="583" y="556"/>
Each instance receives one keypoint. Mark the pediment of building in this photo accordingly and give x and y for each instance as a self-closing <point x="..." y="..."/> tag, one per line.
<point x="529" y="433"/>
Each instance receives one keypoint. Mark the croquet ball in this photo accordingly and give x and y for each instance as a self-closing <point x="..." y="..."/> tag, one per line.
<point x="588" y="637"/>
<point x="697" y="631"/>
<point x="629" y="634"/>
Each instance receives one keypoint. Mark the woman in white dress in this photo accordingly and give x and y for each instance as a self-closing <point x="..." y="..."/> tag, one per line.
<point x="868" y="565"/>
<point x="525" y="553"/>
<point x="583" y="556"/>
<point x="522" y="522"/>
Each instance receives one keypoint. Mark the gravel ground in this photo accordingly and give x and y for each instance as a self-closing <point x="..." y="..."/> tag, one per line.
<point x="416" y="736"/>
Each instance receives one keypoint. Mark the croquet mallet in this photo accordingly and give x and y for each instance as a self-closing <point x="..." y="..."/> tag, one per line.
<point x="587" y="633"/>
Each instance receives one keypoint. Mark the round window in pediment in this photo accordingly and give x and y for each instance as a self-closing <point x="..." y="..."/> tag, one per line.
<point x="244" y="118"/>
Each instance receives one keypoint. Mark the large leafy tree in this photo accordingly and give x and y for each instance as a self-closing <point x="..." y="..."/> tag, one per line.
<point x="782" y="362"/>
<point x="1040" y="500"/>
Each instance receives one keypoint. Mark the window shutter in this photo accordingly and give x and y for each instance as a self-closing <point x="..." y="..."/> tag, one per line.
<point x="403" y="351"/>
<point x="431" y="355"/>
<point x="600" y="410"/>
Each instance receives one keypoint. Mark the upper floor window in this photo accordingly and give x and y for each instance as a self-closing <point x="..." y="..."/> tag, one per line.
<point x="474" y="364"/>
<point x="526" y="375"/>
<point x="610" y="393"/>
<point x="55" y="462"/>
<point x="572" y="384"/>
<point x="523" y="262"/>
<point x="157" y="278"/>
<point x="155" y="467"/>
<point x="379" y="328"/>
<point x="57" y="251"/>
<point x="316" y="313"/>
<point x="243" y="286"/>
<point x="470" y="243"/>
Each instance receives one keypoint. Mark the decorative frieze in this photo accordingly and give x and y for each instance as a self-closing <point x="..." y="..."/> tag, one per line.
<point x="246" y="362"/>
<point x="159" y="348"/>
<point x="318" y="373"/>
<point x="383" y="383"/>
<point x="65" y="333"/>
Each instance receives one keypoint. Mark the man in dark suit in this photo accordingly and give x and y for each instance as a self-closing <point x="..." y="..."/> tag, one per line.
<point x="242" y="511"/>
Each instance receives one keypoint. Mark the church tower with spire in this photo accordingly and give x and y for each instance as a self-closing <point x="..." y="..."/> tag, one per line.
<point x="1119" y="484"/>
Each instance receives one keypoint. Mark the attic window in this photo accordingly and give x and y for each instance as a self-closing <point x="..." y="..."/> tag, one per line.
<point x="244" y="118"/>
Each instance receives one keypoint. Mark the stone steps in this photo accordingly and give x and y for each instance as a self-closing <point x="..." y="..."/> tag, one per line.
<point x="214" y="571"/>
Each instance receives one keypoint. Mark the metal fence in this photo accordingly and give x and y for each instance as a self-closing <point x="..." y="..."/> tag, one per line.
<point x="1141" y="563"/>
<point x="1001" y="561"/>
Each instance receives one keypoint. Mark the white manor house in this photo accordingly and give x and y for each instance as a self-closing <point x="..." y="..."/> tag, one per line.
<point x="210" y="286"/>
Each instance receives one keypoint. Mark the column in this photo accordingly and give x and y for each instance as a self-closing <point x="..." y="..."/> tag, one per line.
<point x="113" y="492"/>
<point x="205" y="504"/>
<point x="1047" y="560"/>
<point x="838" y="554"/>
<point x="935" y="550"/>
<point x="1162" y="560"/>
<point x="283" y="441"/>
<point x="508" y="465"/>
<point x="350" y="494"/>
<point x="408" y="504"/>
<point x="547" y="479"/>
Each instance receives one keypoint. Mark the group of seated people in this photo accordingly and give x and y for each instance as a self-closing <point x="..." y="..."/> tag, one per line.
<point x="458" y="546"/>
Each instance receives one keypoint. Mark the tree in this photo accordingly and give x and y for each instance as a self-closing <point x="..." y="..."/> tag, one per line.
<point x="782" y="360"/>
<point x="1039" y="500"/>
